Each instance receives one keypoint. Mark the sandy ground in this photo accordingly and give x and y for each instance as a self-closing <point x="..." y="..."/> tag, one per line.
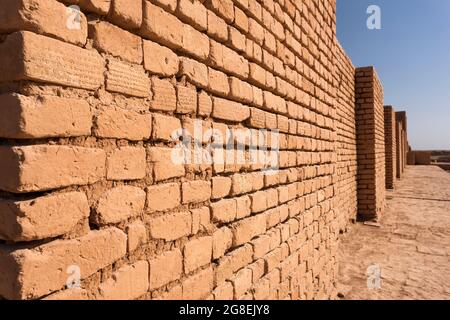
<point x="411" y="249"/>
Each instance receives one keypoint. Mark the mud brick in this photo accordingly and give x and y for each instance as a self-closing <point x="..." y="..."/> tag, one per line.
<point x="164" y="166"/>
<point x="245" y="230"/>
<point x="222" y="241"/>
<point x="199" y="285"/>
<point x="194" y="71"/>
<point x="165" y="268"/>
<point x="218" y="82"/>
<point x="240" y="90"/>
<point x="257" y="74"/>
<point x="232" y="262"/>
<point x="224" y="292"/>
<point x="240" y="20"/>
<point x="242" y="282"/>
<point x="22" y="171"/>
<point x="126" y="163"/>
<point x="223" y="8"/>
<point x="128" y="79"/>
<point x="166" y="62"/>
<point x="115" y="122"/>
<point x="196" y="191"/>
<point x="164" y="95"/>
<point x="49" y="18"/>
<point x="221" y="187"/>
<point x="236" y="40"/>
<point x="100" y="7"/>
<point x="42" y="217"/>
<point x="259" y="203"/>
<point x="163" y="197"/>
<point x="33" y="273"/>
<point x="224" y="210"/>
<point x="119" y="204"/>
<point x="169" y="5"/>
<point x="255" y="31"/>
<point x="186" y="100"/>
<point x="74" y="294"/>
<point x="194" y="13"/>
<point x="217" y="27"/>
<point x="126" y="13"/>
<point x="28" y="56"/>
<point x="119" y="43"/>
<point x="201" y="219"/>
<point x="171" y="226"/>
<point x="137" y="235"/>
<point x="257" y="118"/>
<point x="204" y="104"/>
<point x="24" y="117"/>
<point x="261" y="246"/>
<point x="235" y="63"/>
<point x="128" y="283"/>
<point x="165" y="127"/>
<point x="161" y="26"/>
<point x="230" y="110"/>
<point x="195" y="43"/>
<point x="197" y="253"/>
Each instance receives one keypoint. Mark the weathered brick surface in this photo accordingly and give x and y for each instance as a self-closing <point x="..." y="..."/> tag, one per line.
<point x="94" y="119"/>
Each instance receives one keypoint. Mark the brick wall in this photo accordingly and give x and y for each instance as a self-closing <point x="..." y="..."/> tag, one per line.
<point x="391" y="147"/>
<point x="172" y="149"/>
<point x="346" y="139"/>
<point x="402" y="142"/>
<point x="371" y="144"/>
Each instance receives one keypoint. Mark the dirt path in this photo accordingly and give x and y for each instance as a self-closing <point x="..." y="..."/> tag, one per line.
<point x="411" y="248"/>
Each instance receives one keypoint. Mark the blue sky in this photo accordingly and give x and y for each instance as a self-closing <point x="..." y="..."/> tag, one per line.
<point x="411" y="53"/>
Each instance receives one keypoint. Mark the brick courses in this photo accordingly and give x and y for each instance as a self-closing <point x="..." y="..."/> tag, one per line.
<point x="89" y="125"/>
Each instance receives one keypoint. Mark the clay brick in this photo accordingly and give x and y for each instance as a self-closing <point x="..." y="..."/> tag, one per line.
<point x="232" y="262"/>
<point x="49" y="18"/>
<point x="186" y="100"/>
<point x="247" y="229"/>
<point x="28" y="56"/>
<point x="128" y="283"/>
<point x="201" y="219"/>
<point x="169" y="5"/>
<point x="74" y="294"/>
<point x="137" y="235"/>
<point x="261" y="246"/>
<point x="224" y="292"/>
<point x="195" y="43"/>
<point x="222" y="241"/>
<point x="118" y="123"/>
<point x="119" y="43"/>
<point x="236" y="40"/>
<point x="217" y="27"/>
<point x="204" y="104"/>
<point x="126" y="163"/>
<point x="194" y="13"/>
<point x="174" y="293"/>
<point x="199" y="285"/>
<point x="33" y="273"/>
<point x="165" y="268"/>
<point x="160" y="60"/>
<point x="240" y="20"/>
<point x="257" y="118"/>
<point x="119" y="204"/>
<point x="100" y="7"/>
<point x="25" y="117"/>
<point x="218" y="82"/>
<point x="257" y="74"/>
<point x="243" y="205"/>
<point x="196" y="191"/>
<point x="128" y="79"/>
<point x="126" y="13"/>
<point x="194" y="71"/>
<point x="259" y="203"/>
<point x="43" y="217"/>
<point x="221" y="187"/>
<point x="22" y="171"/>
<point x="197" y="253"/>
<point x="240" y="90"/>
<point x="230" y="110"/>
<point x="224" y="210"/>
<point x="171" y="226"/>
<point x="223" y="8"/>
<point x="163" y="165"/>
<point x="161" y="26"/>
<point x="255" y="31"/>
<point x="242" y="282"/>
<point x="165" y="127"/>
<point x="164" y="96"/>
<point x="163" y="197"/>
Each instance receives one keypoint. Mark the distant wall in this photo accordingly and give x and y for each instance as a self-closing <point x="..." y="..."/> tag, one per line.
<point x="391" y="146"/>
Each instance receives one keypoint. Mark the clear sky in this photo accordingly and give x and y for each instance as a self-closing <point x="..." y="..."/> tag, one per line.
<point x="411" y="53"/>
